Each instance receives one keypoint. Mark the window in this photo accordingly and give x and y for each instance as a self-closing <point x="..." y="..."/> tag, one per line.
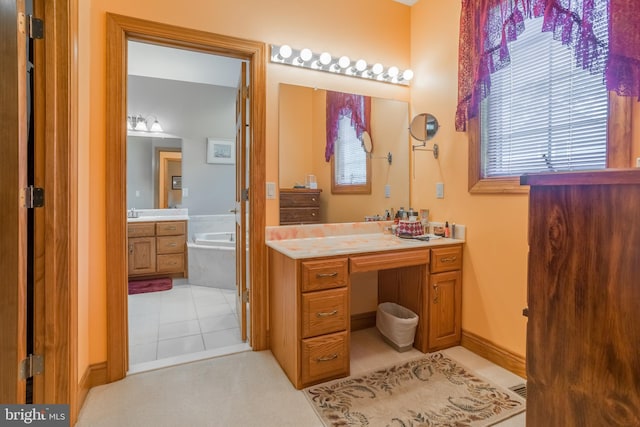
<point x="543" y="114"/>
<point x="350" y="166"/>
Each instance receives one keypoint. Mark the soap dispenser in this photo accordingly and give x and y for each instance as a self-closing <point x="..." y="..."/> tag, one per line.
<point x="447" y="232"/>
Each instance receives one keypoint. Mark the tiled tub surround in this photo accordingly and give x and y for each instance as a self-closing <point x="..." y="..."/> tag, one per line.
<point x="312" y="270"/>
<point x="211" y="264"/>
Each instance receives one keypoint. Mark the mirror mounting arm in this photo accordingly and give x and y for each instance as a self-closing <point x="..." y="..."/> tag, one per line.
<point x="388" y="157"/>
<point x="422" y="147"/>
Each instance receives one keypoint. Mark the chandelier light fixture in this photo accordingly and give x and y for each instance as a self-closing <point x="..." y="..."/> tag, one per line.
<point x="324" y="61"/>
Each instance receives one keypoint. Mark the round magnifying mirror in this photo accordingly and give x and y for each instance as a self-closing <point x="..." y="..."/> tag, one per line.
<point x="423" y="127"/>
<point x="367" y="144"/>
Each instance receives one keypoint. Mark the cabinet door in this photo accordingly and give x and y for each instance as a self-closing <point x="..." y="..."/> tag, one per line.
<point x="142" y="255"/>
<point x="445" y="304"/>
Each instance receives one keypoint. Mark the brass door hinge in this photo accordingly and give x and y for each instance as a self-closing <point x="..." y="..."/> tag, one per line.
<point x="32" y="365"/>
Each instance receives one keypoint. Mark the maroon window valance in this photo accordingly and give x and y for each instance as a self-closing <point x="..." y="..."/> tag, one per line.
<point x="340" y="105"/>
<point x="487" y="27"/>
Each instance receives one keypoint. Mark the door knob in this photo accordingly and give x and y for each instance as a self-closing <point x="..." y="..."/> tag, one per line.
<point x="234" y="210"/>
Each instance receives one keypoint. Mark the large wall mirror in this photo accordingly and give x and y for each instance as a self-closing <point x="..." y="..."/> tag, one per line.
<point x="302" y="141"/>
<point x="153" y="165"/>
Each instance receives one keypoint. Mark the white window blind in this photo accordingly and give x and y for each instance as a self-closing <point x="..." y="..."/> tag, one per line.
<point x="350" y="158"/>
<point x="543" y="113"/>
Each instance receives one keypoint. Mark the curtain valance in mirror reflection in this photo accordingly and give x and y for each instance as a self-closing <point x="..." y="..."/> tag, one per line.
<point x="339" y="105"/>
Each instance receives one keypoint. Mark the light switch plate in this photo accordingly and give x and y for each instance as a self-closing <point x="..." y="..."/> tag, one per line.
<point x="638" y="162"/>
<point x="271" y="190"/>
<point x="387" y="191"/>
<point x="185" y="192"/>
<point x="439" y="190"/>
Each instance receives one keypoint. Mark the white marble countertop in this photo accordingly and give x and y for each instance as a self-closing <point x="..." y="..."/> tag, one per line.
<point x="152" y="215"/>
<point x="158" y="218"/>
<point x="311" y="247"/>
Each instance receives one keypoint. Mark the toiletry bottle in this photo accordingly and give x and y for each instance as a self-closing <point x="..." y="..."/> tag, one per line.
<point x="447" y="232"/>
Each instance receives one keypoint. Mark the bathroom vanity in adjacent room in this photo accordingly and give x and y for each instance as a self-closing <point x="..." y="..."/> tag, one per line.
<point x="310" y="291"/>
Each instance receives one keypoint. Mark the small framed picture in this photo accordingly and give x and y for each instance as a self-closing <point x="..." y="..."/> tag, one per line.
<point x="221" y="151"/>
<point x="176" y="182"/>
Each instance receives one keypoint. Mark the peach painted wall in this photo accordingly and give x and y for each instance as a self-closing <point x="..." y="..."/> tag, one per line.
<point x="376" y="30"/>
<point x="495" y="255"/>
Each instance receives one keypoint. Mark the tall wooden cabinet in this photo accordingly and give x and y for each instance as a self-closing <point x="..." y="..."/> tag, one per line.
<point x="583" y="333"/>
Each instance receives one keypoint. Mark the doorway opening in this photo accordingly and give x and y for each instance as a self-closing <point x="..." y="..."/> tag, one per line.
<point x="120" y="30"/>
<point x="191" y="97"/>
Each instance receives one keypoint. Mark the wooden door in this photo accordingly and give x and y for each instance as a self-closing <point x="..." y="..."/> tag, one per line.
<point x="445" y="294"/>
<point x="13" y="176"/>
<point x="242" y="169"/>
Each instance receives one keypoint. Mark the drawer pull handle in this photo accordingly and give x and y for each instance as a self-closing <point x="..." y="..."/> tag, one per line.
<point x="313" y="199"/>
<point x="449" y="259"/>
<point x="435" y="294"/>
<point x="322" y="275"/>
<point x="172" y="244"/>
<point x="313" y="214"/>
<point x="327" y="313"/>
<point x="171" y="228"/>
<point x="334" y="356"/>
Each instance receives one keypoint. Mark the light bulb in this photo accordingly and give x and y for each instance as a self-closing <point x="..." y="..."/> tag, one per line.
<point x="306" y="54"/>
<point x="155" y="127"/>
<point x="325" y="58"/>
<point x="141" y="124"/>
<point x="361" y="65"/>
<point x="393" y="71"/>
<point x="344" y="61"/>
<point x="377" y="69"/>
<point x="407" y="75"/>
<point x="285" y="51"/>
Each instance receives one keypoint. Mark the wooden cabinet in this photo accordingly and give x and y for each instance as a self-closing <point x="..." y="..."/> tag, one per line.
<point x="445" y="298"/>
<point x="309" y="305"/>
<point x="433" y="291"/>
<point x="299" y="206"/>
<point x="309" y="317"/>
<point x="156" y="248"/>
<point x="583" y="362"/>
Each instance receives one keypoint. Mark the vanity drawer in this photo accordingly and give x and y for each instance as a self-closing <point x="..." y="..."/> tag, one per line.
<point x="446" y="259"/>
<point x="170" y="228"/>
<point x="296" y="199"/>
<point x="324" y="358"/>
<point x="324" y="312"/>
<point x="324" y="274"/>
<point x="299" y="215"/>
<point x="170" y="244"/>
<point x="141" y="229"/>
<point x="171" y="263"/>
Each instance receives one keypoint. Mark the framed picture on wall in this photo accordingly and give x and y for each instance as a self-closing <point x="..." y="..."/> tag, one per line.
<point x="176" y="182"/>
<point x="221" y="151"/>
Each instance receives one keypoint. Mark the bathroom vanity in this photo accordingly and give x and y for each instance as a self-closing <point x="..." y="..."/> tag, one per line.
<point x="309" y="294"/>
<point x="156" y="245"/>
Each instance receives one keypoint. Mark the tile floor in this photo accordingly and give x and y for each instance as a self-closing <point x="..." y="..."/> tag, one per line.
<point x="187" y="321"/>
<point x="246" y="389"/>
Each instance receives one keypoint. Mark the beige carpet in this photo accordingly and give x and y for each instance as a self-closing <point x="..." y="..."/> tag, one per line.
<point x="433" y="390"/>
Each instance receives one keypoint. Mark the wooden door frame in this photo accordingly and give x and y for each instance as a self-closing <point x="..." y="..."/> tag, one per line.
<point x="56" y="225"/>
<point x="120" y="29"/>
<point x="13" y="250"/>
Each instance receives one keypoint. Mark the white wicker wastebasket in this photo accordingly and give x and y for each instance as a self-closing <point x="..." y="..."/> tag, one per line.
<point x="397" y="324"/>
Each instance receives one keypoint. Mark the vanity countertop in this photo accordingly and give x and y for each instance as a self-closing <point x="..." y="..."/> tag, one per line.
<point x="158" y="218"/>
<point x="154" y="215"/>
<point x="311" y="247"/>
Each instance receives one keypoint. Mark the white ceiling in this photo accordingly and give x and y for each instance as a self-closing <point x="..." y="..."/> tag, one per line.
<point x="162" y="62"/>
<point x="407" y="2"/>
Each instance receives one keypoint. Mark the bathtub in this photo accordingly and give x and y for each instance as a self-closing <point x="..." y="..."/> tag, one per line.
<point x="212" y="251"/>
<point x="222" y="239"/>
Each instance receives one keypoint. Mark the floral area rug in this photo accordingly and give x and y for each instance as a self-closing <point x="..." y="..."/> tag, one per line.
<point x="430" y="391"/>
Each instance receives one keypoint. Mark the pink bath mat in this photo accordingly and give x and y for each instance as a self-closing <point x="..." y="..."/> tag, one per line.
<point x="150" y="285"/>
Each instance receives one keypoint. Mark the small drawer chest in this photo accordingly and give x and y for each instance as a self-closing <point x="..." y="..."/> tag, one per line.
<point x="299" y="206"/>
